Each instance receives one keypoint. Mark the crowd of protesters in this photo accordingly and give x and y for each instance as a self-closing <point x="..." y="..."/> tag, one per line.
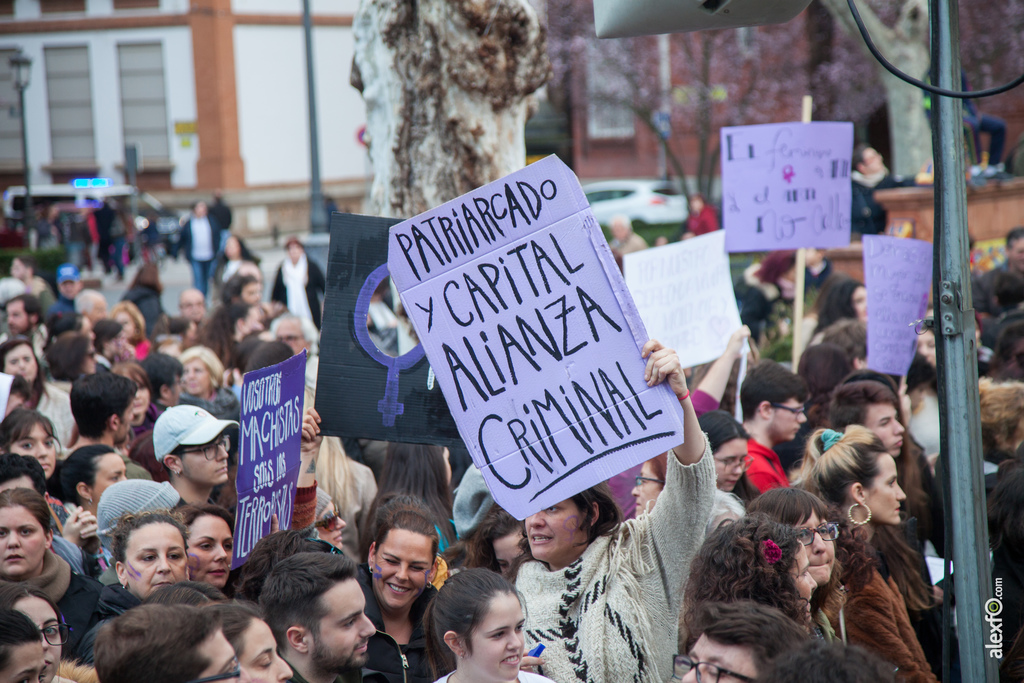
<point x="788" y="545"/>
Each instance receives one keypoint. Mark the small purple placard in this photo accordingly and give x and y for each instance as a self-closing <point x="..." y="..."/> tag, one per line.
<point x="533" y="337"/>
<point x="270" y="436"/>
<point x="898" y="277"/>
<point x="786" y="185"/>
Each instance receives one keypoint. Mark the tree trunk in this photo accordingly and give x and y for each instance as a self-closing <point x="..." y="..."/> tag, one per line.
<point x="446" y="84"/>
<point x="906" y="46"/>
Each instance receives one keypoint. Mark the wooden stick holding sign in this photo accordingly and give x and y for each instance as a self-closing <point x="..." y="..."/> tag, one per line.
<point x="801" y="271"/>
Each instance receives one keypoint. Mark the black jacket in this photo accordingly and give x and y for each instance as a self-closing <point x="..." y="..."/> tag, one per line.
<point x="867" y="215"/>
<point x="316" y="284"/>
<point x="78" y="607"/>
<point x="222" y="213"/>
<point x="388" y="661"/>
<point x="114" y="601"/>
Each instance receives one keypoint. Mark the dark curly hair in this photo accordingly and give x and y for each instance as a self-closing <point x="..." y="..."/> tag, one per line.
<point x="731" y="566"/>
<point x="130" y="522"/>
<point x="858" y="559"/>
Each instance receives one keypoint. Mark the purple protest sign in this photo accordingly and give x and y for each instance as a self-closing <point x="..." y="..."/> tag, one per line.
<point x="786" y="185"/>
<point x="898" y="277"/>
<point x="533" y="337"/>
<point x="270" y="436"/>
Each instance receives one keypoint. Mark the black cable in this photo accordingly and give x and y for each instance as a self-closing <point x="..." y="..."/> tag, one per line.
<point x="957" y="94"/>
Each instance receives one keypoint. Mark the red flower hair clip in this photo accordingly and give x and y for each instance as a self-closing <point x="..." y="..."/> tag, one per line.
<point x="772" y="553"/>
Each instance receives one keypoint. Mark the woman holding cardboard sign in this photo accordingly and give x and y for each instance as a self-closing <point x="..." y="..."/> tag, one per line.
<point x="603" y="595"/>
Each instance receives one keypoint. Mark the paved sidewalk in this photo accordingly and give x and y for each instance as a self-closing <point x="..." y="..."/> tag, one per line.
<point x="176" y="276"/>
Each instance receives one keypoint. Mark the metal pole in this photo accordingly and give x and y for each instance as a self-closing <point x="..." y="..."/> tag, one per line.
<point x="27" y="212"/>
<point x="956" y="352"/>
<point x="317" y="214"/>
<point x="131" y="163"/>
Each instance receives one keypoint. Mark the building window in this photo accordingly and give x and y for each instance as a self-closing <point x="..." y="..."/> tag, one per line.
<point x="143" y="103"/>
<point x="6" y="8"/>
<point x="10" y="117"/>
<point x="62" y="5"/>
<point x="69" y="91"/>
<point x="136" y="4"/>
<point x="608" y="92"/>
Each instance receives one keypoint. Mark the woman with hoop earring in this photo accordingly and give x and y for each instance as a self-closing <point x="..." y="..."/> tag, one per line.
<point x="853" y="471"/>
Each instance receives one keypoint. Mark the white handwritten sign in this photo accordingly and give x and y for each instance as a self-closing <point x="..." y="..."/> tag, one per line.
<point x="786" y="185"/>
<point x="684" y="294"/>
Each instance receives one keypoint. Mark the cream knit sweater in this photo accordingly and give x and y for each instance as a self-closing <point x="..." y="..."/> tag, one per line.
<point x="612" y="616"/>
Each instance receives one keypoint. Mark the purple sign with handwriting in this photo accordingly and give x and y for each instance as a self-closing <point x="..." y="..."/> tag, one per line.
<point x="270" y="436"/>
<point x="533" y="337"/>
<point x="898" y="277"/>
<point x="786" y="185"/>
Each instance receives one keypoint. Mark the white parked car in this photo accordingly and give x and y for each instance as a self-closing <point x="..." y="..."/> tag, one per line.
<point x="650" y="201"/>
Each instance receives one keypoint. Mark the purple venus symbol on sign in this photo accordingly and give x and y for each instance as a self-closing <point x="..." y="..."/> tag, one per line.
<point x="388" y="407"/>
<point x="788" y="173"/>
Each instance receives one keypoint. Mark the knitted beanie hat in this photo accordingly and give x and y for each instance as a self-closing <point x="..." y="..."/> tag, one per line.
<point x="322" y="500"/>
<point x="131" y="495"/>
<point x="472" y="501"/>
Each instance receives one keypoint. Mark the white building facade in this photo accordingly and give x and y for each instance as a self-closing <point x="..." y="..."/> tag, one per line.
<point x="212" y="93"/>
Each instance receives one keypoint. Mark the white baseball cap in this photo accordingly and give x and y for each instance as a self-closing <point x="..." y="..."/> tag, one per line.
<point x="185" y="426"/>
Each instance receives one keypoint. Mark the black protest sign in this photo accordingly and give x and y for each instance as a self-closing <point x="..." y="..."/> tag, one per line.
<point x="361" y="391"/>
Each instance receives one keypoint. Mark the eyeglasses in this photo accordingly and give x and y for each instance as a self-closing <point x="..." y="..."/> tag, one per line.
<point x="56" y="634"/>
<point x="236" y="672"/>
<point x="210" y="450"/>
<point x="640" y="481"/>
<point x="330" y="521"/>
<point x="324" y="547"/>
<point x="290" y="338"/>
<point x="795" y="411"/>
<point x="829" y="531"/>
<point x="744" y="461"/>
<point x="683" y="664"/>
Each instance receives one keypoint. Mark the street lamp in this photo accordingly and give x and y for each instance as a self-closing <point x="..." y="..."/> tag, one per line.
<point x="21" y="71"/>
